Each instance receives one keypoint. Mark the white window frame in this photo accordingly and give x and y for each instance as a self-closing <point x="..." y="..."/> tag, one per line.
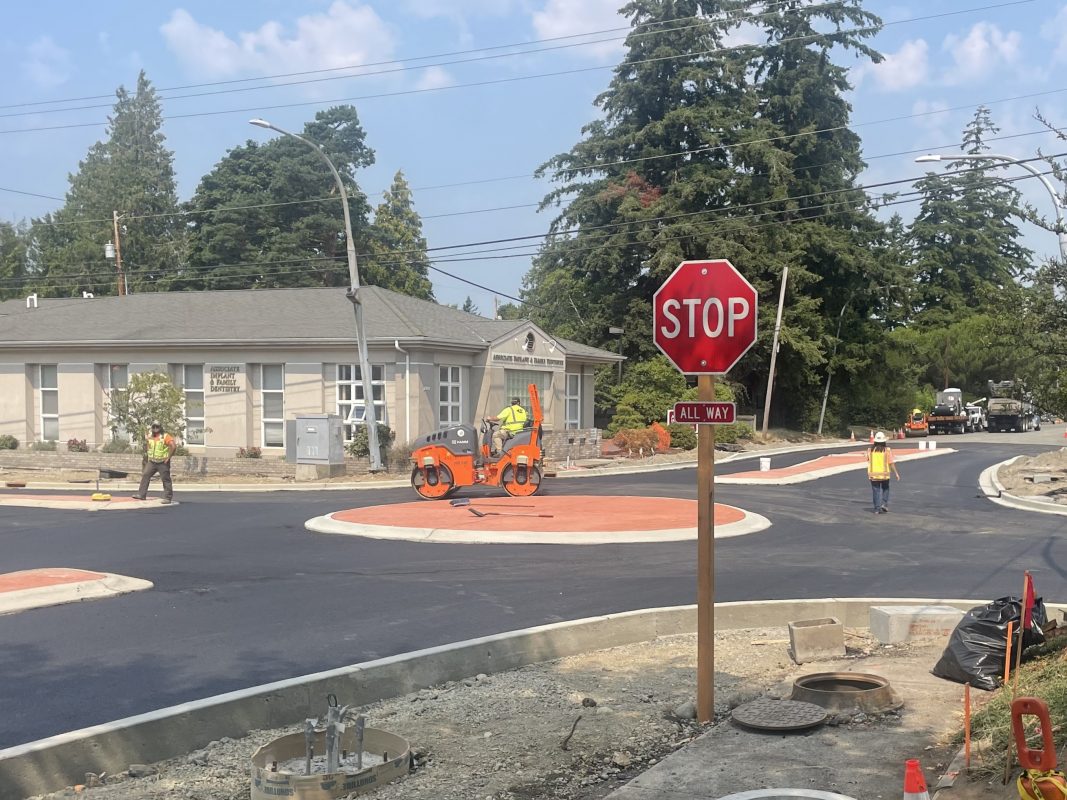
<point x="572" y="421"/>
<point x="118" y="432"/>
<point x="353" y="407"/>
<point x="52" y="390"/>
<point x="525" y="378"/>
<point x="449" y="402"/>
<point x="264" y="419"/>
<point x="194" y="423"/>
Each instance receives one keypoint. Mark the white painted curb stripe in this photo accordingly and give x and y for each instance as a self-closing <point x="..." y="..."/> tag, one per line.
<point x="59" y="594"/>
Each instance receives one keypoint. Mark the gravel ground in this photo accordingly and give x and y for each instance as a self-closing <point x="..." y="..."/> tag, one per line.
<point x="1018" y="478"/>
<point x="501" y="737"/>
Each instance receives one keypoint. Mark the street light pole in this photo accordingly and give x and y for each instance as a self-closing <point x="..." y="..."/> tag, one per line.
<point x="1061" y="229"/>
<point x="614" y="331"/>
<point x="830" y="363"/>
<point x="370" y="417"/>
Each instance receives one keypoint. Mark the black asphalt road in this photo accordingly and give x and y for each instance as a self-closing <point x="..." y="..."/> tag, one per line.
<point x="244" y="595"/>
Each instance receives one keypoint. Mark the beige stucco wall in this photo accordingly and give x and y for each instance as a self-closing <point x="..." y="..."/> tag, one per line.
<point x="234" y="411"/>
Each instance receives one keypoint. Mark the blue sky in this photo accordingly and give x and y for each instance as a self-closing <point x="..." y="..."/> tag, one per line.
<point x="491" y="137"/>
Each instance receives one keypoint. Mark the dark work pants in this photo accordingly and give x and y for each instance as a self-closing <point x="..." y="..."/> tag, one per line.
<point x="150" y="469"/>
<point x="880" y="490"/>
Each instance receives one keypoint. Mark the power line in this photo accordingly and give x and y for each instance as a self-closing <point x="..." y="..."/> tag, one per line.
<point x="30" y="194"/>
<point x="521" y="78"/>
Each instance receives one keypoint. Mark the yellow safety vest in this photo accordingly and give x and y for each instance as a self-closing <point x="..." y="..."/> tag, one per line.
<point x="513" y="418"/>
<point x="878" y="462"/>
<point x="159" y="447"/>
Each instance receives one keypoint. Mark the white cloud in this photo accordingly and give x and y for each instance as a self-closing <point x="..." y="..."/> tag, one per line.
<point x="342" y="36"/>
<point x="1055" y="30"/>
<point x="428" y="9"/>
<point x="434" y="78"/>
<point x="904" y="69"/>
<point x="570" y="17"/>
<point x="982" y="50"/>
<point x="47" y="64"/>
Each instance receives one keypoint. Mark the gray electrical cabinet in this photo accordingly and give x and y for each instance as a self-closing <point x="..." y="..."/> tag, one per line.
<point x="319" y="439"/>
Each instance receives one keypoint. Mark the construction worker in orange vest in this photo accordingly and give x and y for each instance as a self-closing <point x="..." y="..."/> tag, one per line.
<point x="879" y="463"/>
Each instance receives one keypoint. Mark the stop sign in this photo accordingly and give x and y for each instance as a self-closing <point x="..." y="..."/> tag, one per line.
<point x="704" y="317"/>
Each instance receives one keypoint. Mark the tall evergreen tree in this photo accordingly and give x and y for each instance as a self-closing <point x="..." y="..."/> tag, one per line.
<point x="965" y="242"/>
<point x="13" y="259"/>
<point x="132" y="172"/>
<point x="269" y="215"/>
<point x="396" y="249"/>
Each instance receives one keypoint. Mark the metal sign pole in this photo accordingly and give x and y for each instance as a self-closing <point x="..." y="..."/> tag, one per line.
<point x="705" y="559"/>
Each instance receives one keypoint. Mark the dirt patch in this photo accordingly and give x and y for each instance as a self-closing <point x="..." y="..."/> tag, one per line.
<point x="1025" y="476"/>
<point x="504" y="736"/>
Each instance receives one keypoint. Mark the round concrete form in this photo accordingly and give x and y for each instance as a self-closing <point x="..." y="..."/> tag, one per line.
<point x="268" y="784"/>
<point x="786" y="794"/>
<point x="550" y="519"/>
<point x="847" y="691"/>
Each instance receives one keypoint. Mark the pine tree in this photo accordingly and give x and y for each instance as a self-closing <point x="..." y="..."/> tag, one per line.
<point x="130" y="172"/>
<point x="269" y="215"/>
<point x="469" y="306"/>
<point x="13" y="259"/>
<point x="396" y="249"/>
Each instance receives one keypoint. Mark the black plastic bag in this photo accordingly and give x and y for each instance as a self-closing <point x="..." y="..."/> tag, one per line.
<point x="975" y="652"/>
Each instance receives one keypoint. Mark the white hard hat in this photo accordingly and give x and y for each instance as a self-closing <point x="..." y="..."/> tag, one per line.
<point x="879" y="438"/>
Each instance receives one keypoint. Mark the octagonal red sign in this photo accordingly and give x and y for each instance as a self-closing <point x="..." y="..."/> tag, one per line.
<point x="704" y="317"/>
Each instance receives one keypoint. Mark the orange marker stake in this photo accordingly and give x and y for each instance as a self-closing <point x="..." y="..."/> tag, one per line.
<point x="1007" y="654"/>
<point x="967" y="726"/>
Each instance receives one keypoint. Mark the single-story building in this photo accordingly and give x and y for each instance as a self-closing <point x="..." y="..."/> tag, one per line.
<point x="249" y="360"/>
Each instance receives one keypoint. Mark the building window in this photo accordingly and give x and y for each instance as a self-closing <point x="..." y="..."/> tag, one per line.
<point x="193" y="384"/>
<point x="272" y="387"/>
<point x="517" y="382"/>
<point x="449" y="392"/>
<point x="574" y="400"/>
<point x="351" y="404"/>
<point x="49" y="402"/>
<point x="117" y="378"/>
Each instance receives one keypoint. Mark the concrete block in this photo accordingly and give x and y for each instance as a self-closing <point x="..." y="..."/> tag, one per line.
<point x="895" y="624"/>
<point x="815" y="639"/>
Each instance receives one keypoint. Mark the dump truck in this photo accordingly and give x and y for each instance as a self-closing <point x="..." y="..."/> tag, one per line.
<point x="949" y="415"/>
<point x="1010" y="407"/>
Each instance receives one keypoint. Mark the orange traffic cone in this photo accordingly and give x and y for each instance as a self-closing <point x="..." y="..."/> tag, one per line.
<point x="914" y="782"/>
<point x="852" y="438"/>
<point x="872" y="437"/>
<point x="900" y="433"/>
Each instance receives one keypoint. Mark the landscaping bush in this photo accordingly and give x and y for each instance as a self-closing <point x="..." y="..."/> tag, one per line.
<point x="360" y="446"/>
<point x="117" y="446"/>
<point x="47" y="446"/>
<point x="728" y="434"/>
<point x="249" y="452"/>
<point x="682" y="436"/>
<point x="398" y="458"/>
<point x="8" y="442"/>
<point x="181" y="450"/>
<point x="77" y="446"/>
<point x="663" y="438"/>
<point x="640" y="440"/>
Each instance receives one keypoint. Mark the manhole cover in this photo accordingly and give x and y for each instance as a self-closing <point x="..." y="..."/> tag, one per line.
<point x="767" y="714"/>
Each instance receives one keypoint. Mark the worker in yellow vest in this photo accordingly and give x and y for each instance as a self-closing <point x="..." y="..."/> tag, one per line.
<point x="159" y="447"/>
<point x="512" y="420"/>
<point x="879" y="463"/>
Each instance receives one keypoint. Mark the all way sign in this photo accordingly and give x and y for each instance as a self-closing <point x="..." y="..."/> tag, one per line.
<point x="705" y="413"/>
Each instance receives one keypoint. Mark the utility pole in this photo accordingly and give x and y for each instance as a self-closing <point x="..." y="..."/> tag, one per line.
<point x="118" y="256"/>
<point x="774" y="354"/>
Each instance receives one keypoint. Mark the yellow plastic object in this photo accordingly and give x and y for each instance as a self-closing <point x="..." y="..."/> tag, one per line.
<point x="100" y="496"/>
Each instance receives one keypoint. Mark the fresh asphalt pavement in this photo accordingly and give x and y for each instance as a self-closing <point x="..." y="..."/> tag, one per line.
<point x="244" y="595"/>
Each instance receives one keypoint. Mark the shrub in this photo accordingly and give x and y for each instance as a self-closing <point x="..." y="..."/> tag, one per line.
<point x="181" y="450"/>
<point x="641" y="440"/>
<point x="663" y="438"/>
<point x="360" y="446"/>
<point x="77" y="446"/>
<point x="47" y="446"/>
<point x="398" y="458"/>
<point x="682" y="436"/>
<point x="8" y="442"/>
<point x="728" y="434"/>
<point x="117" y="446"/>
<point x="249" y="452"/>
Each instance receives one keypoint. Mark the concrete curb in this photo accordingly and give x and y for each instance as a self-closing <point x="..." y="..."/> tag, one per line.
<point x="52" y="764"/>
<point x="751" y="523"/>
<point x="993" y="489"/>
<point x="42" y="596"/>
<point x="823" y="473"/>
<point x="14" y="501"/>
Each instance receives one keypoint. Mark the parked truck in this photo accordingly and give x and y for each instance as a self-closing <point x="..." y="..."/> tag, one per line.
<point x="976" y="421"/>
<point x="949" y="415"/>
<point x="1010" y="407"/>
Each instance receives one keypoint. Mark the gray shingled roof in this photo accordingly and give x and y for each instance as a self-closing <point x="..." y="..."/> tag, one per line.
<point x="290" y="316"/>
